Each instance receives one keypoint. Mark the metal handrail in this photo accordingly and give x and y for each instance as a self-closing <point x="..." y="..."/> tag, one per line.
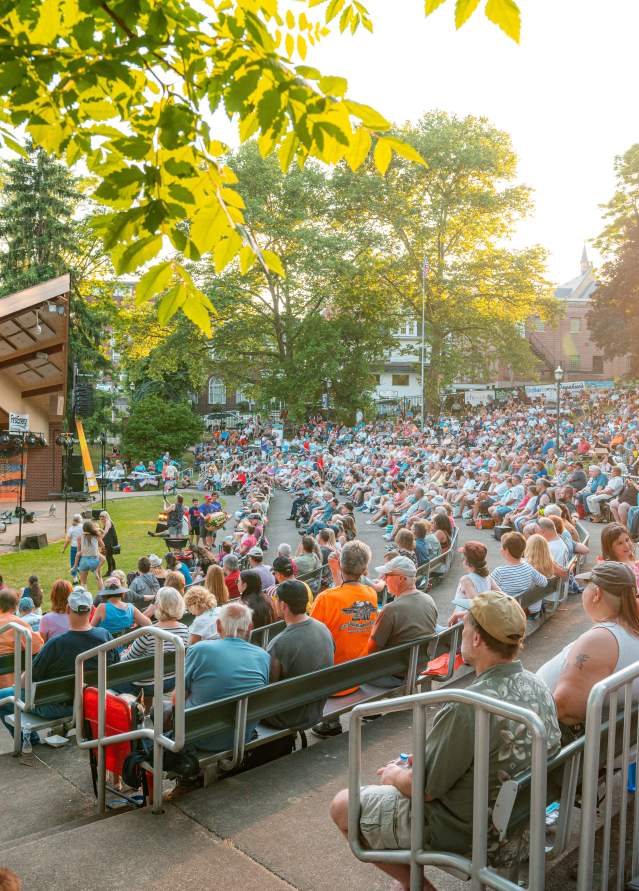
<point x="19" y="704"/>
<point x="160" y="739"/>
<point x="607" y="689"/>
<point x="477" y="867"/>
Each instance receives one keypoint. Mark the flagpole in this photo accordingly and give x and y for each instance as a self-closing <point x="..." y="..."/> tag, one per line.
<point x="423" y="336"/>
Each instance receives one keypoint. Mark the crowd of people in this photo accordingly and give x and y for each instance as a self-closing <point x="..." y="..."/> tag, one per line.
<point x="499" y="467"/>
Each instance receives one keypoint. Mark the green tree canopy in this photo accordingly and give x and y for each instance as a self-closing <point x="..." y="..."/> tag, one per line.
<point x="155" y="426"/>
<point x="326" y="318"/>
<point x="613" y="318"/>
<point x="458" y="214"/>
<point x="130" y="89"/>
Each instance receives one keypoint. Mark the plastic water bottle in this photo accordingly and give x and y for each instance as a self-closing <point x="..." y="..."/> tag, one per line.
<point x="26" y="742"/>
<point x="552" y="813"/>
<point x="632" y="777"/>
<point x="403" y="759"/>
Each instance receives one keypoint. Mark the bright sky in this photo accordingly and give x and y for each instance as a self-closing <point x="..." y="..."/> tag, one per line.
<point x="566" y="95"/>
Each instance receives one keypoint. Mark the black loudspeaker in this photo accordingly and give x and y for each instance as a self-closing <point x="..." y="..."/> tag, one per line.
<point x="83" y="402"/>
<point x="35" y="542"/>
<point x="75" y="479"/>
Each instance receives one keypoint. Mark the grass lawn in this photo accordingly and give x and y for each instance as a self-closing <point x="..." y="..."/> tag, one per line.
<point x="132" y="517"/>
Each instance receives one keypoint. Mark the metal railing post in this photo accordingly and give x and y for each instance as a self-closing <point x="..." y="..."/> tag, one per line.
<point x="101" y="776"/>
<point x="480" y="795"/>
<point x="417" y="797"/>
<point x="22" y="701"/>
<point x="606" y="689"/>
<point x="160" y="740"/>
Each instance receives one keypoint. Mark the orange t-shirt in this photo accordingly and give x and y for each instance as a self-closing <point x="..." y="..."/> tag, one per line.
<point x="349" y="613"/>
<point x="6" y="643"/>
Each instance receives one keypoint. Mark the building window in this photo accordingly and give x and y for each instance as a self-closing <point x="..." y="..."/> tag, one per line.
<point x="540" y="325"/>
<point x="407" y="329"/>
<point x="575" y="326"/>
<point x="400" y="380"/>
<point x="377" y="379"/>
<point x="598" y="364"/>
<point x="242" y="395"/>
<point x="217" y="391"/>
<point x="573" y="363"/>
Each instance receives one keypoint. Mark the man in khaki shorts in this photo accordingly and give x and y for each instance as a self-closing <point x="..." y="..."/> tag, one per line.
<point x="493" y="635"/>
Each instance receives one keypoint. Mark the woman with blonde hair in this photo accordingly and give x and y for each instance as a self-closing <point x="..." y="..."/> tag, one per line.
<point x="214" y="582"/>
<point x="88" y="557"/>
<point x="538" y="554"/>
<point x="175" y="579"/>
<point x="202" y="604"/>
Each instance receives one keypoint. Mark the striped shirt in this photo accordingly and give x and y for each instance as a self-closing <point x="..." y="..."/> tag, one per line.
<point x="515" y="578"/>
<point x="144" y="645"/>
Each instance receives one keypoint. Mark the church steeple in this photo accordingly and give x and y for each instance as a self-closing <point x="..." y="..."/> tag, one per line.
<point x="585" y="262"/>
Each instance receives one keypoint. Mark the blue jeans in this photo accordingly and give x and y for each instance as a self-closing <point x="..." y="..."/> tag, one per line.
<point x="72" y="556"/>
<point x="54" y="710"/>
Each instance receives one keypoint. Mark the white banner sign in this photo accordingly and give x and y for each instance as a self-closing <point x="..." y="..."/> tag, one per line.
<point x="478" y="397"/>
<point x="549" y="391"/>
<point x="18" y="423"/>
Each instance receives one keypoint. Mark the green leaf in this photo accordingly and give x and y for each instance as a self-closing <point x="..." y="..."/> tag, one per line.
<point x="273" y="263"/>
<point x="333" y="86"/>
<point x="405" y="150"/>
<point x="171" y="302"/>
<point x="432" y="5"/>
<point x="181" y="194"/>
<point x="360" y="147"/>
<point x="138" y="253"/>
<point x="506" y="15"/>
<point x="153" y="281"/>
<point x="286" y="151"/>
<point x="463" y="11"/>
<point x="247" y="259"/>
<point x="49" y="23"/>
<point x="267" y="109"/>
<point x="196" y="310"/>
<point x="382" y="155"/>
<point x="367" y="115"/>
<point x="207" y="227"/>
<point x="226" y="250"/>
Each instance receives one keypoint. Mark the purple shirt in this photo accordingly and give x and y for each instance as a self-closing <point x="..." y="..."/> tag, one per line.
<point x="53" y="624"/>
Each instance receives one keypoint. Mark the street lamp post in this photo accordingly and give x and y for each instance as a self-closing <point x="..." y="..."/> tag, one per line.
<point x="559" y="376"/>
<point x="425" y="271"/>
<point x="66" y="441"/>
<point x="102" y="439"/>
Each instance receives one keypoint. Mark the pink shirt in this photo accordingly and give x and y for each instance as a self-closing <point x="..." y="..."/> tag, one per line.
<point x="52" y="624"/>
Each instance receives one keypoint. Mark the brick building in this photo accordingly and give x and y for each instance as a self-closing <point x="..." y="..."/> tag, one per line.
<point x="568" y="344"/>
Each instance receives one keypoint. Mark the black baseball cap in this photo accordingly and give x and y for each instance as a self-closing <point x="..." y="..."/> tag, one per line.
<point x="283" y="565"/>
<point x="294" y="594"/>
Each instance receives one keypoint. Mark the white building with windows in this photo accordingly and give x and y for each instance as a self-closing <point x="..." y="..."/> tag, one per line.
<point x="400" y="375"/>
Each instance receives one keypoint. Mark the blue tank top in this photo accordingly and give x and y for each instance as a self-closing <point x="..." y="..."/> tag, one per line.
<point x="117" y="620"/>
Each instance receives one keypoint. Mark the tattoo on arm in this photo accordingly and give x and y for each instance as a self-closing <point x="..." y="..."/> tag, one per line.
<point x="580" y="659"/>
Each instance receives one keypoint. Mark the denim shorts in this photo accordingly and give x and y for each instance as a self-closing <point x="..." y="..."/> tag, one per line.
<point x="88" y="564"/>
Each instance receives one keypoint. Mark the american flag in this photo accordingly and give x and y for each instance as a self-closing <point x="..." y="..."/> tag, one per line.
<point x="425" y="268"/>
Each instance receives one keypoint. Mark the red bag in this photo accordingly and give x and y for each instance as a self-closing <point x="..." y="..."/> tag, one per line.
<point x="440" y="667"/>
<point x="484" y="523"/>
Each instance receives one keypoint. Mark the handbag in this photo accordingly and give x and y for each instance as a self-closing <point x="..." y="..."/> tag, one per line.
<point x="116" y="549"/>
<point x="484" y="523"/>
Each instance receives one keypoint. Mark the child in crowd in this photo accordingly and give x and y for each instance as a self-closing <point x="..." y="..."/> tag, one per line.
<point x="27" y="611"/>
<point x="34" y="591"/>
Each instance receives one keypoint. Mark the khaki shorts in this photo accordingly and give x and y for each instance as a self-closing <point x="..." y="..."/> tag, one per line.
<point x="385" y="818"/>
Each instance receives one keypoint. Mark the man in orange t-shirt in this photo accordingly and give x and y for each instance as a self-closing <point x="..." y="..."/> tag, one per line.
<point x="8" y="606"/>
<point x="349" y="612"/>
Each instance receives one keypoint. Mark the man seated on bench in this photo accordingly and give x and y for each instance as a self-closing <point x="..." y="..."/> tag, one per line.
<point x="494" y="629"/>
<point x="610" y="601"/>
<point x="349" y="612"/>
<point x="305" y="645"/>
<point x="57" y="656"/>
<point x="411" y="614"/>
<point x="215" y="669"/>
